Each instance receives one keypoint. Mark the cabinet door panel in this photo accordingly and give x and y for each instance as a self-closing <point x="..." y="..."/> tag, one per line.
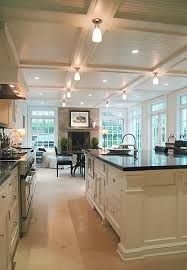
<point x="4" y="242"/>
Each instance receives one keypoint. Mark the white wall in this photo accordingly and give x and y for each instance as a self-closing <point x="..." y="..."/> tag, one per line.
<point x="171" y="112"/>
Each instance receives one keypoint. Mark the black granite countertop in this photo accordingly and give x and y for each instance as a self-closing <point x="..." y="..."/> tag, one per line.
<point x="6" y="168"/>
<point x="147" y="160"/>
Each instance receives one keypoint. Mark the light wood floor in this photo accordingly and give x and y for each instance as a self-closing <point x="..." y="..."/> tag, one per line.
<point x="65" y="233"/>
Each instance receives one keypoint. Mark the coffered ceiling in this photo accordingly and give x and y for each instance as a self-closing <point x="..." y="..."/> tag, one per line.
<point x="47" y="39"/>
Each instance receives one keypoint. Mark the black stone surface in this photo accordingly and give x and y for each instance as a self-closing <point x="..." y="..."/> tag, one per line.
<point x="6" y="168"/>
<point x="146" y="160"/>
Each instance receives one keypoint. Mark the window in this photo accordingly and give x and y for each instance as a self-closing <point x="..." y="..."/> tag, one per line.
<point x="158" y="124"/>
<point x="113" y="122"/>
<point x="182" y="117"/>
<point x="135" y="125"/>
<point x="43" y="125"/>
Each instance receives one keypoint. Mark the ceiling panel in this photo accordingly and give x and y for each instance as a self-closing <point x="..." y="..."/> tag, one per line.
<point x="174" y="83"/>
<point x="167" y="11"/>
<point x="153" y="48"/>
<point x="44" y="42"/>
<point x="66" y="6"/>
<point x="182" y="66"/>
<point x="47" y="77"/>
<point x="104" y="80"/>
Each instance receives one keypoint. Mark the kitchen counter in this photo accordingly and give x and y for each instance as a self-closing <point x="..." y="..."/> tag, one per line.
<point x="147" y="160"/>
<point x="6" y="168"/>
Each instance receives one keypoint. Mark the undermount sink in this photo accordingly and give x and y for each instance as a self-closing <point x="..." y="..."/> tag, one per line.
<point x="120" y="151"/>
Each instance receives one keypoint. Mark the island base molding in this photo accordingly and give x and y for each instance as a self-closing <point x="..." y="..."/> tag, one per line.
<point x="150" y="251"/>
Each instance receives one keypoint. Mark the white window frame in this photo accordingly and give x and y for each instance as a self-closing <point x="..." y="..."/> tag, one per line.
<point x="180" y="107"/>
<point x="158" y="112"/>
<point x="122" y="112"/>
<point x="137" y="116"/>
<point x="42" y="108"/>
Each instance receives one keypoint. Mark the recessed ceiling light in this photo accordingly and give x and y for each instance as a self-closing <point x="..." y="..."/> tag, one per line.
<point x="82" y="102"/>
<point x="90" y="95"/>
<point x="11" y="85"/>
<point x="166" y="84"/>
<point x="36" y="78"/>
<point x="135" y="51"/>
<point x="104" y="81"/>
<point x="41" y="94"/>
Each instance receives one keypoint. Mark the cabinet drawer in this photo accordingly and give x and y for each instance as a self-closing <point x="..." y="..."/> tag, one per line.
<point x="13" y="192"/>
<point x="13" y="232"/>
<point x="112" y="207"/>
<point x="99" y="166"/>
<point x="4" y="198"/>
<point x="114" y="183"/>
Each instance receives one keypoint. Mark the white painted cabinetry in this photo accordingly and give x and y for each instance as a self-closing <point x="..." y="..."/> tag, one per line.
<point x="9" y="220"/>
<point x="147" y="209"/>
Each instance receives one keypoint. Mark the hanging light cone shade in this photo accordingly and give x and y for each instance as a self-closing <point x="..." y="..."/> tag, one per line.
<point x="63" y="103"/>
<point x="124" y="96"/>
<point x="97" y="35"/>
<point x="77" y="75"/>
<point x="107" y="104"/>
<point x="68" y="94"/>
<point x="155" y="79"/>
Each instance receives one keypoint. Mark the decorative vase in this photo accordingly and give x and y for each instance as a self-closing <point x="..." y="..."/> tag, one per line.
<point x="93" y="124"/>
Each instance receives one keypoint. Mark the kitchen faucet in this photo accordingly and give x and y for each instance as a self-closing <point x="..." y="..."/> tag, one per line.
<point x="171" y="136"/>
<point x="134" y="145"/>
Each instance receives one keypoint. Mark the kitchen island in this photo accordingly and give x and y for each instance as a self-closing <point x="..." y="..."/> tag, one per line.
<point x="143" y="199"/>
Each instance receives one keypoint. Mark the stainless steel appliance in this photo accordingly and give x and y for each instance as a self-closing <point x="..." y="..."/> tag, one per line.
<point x="27" y="183"/>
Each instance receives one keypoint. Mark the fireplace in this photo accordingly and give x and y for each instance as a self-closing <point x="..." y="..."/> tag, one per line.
<point x="78" y="140"/>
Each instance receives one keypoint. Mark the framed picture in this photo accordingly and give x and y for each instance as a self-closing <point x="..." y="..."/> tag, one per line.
<point x="79" y="119"/>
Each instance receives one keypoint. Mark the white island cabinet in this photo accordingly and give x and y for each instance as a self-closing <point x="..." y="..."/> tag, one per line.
<point x="9" y="220"/>
<point x="145" y="207"/>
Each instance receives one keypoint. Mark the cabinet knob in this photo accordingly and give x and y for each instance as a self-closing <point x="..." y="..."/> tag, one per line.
<point x="113" y="211"/>
<point x="10" y="183"/>
<point x="114" y="180"/>
<point x="1" y="235"/>
<point x="15" y="223"/>
<point x="15" y="197"/>
<point x="4" y="196"/>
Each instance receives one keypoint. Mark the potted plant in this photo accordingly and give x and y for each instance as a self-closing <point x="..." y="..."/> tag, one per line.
<point x="64" y="144"/>
<point x="95" y="143"/>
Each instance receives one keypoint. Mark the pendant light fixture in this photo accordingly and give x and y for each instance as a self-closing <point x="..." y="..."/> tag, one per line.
<point x="64" y="103"/>
<point x="155" y="79"/>
<point x="68" y="93"/>
<point x="77" y="74"/>
<point x="97" y="35"/>
<point x="107" y="104"/>
<point x="124" y="96"/>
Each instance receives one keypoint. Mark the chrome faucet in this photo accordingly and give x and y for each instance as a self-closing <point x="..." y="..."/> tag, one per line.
<point x="134" y="145"/>
<point x="171" y="136"/>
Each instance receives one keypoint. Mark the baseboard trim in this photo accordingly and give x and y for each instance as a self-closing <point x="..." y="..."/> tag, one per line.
<point x="150" y="251"/>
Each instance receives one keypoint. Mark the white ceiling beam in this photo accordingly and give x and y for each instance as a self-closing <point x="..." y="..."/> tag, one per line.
<point x="8" y="43"/>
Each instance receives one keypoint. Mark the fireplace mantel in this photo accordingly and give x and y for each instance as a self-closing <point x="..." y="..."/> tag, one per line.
<point x="82" y="128"/>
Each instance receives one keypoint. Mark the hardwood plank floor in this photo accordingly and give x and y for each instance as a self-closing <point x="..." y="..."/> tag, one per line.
<point x="65" y="233"/>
